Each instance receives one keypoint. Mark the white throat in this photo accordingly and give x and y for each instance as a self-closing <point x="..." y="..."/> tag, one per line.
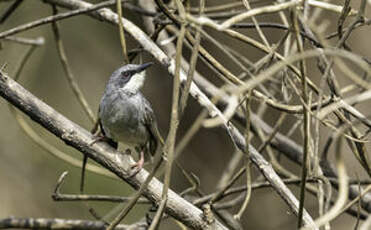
<point x="135" y="83"/>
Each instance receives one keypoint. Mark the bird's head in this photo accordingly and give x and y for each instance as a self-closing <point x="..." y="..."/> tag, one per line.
<point x="129" y="78"/>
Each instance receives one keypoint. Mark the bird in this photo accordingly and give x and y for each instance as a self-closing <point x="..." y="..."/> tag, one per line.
<point x="126" y="116"/>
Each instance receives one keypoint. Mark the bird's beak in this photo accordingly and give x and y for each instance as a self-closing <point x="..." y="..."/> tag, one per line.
<point x="144" y="66"/>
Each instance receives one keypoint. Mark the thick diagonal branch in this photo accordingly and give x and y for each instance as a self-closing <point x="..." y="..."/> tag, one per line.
<point x="80" y="139"/>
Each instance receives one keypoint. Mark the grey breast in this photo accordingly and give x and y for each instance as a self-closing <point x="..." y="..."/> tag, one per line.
<point x="122" y="118"/>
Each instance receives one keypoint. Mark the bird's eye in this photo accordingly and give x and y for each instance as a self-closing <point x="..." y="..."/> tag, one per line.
<point x="125" y="74"/>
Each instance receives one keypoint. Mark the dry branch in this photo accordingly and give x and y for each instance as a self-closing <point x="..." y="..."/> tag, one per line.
<point x="79" y="138"/>
<point x="42" y="223"/>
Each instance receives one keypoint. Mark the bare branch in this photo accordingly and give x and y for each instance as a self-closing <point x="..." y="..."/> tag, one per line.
<point x="42" y="223"/>
<point x="77" y="137"/>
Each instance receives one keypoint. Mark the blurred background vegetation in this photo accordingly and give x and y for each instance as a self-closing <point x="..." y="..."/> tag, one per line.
<point x="28" y="173"/>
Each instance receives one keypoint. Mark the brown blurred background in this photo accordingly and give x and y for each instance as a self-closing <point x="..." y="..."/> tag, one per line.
<point x="28" y="174"/>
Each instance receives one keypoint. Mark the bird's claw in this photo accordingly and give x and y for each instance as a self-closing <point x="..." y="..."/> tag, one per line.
<point x="137" y="166"/>
<point x="97" y="139"/>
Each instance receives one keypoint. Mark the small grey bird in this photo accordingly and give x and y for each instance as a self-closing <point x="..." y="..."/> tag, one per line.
<point x="126" y="116"/>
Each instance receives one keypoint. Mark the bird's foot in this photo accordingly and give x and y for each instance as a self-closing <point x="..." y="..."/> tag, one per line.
<point x="98" y="138"/>
<point x="137" y="166"/>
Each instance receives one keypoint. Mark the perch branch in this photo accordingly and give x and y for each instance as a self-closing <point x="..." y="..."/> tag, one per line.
<point x="80" y="139"/>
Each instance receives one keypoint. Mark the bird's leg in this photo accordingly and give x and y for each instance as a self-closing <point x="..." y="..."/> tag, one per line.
<point x="137" y="166"/>
<point x="140" y="162"/>
<point x="101" y="137"/>
<point x="97" y="138"/>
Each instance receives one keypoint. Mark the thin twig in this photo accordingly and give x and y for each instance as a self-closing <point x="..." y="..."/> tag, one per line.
<point x="58" y="17"/>
<point x="247" y="158"/>
<point x="26" y="41"/>
<point x="357" y="199"/>
<point x="306" y="120"/>
<point x="10" y="10"/>
<point x="174" y="122"/>
<point x="343" y="185"/>
<point x="58" y="196"/>
<point x="68" y="72"/>
<point x="121" y="32"/>
<point x="136" y="196"/>
<point x="256" y="23"/>
<point x="192" y="65"/>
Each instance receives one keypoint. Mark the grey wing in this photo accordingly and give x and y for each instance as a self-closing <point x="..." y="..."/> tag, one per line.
<point x="110" y="141"/>
<point x="151" y="124"/>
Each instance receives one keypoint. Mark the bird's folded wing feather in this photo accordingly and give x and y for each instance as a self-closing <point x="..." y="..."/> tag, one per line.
<point x="151" y="123"/>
